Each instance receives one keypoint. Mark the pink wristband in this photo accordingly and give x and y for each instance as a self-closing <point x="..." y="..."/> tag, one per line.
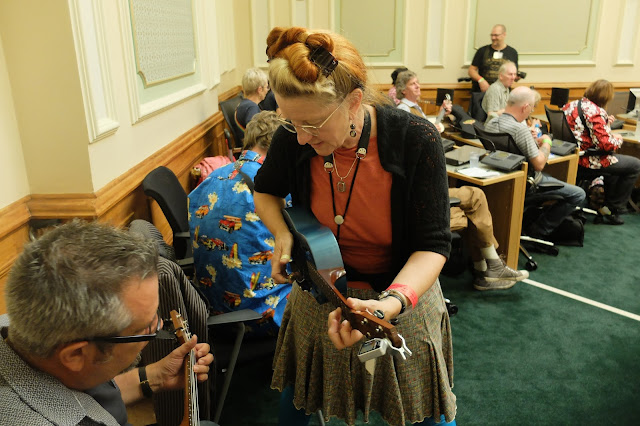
<point x="408" y="292"/>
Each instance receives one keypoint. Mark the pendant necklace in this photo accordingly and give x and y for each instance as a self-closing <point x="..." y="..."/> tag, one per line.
<point x="329" y="166"/>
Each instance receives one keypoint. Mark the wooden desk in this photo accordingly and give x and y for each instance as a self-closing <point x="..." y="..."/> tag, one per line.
<point x="628" y="119"/>
<point x="563" y="168"/>
<point x="505" y="194"/>
<point x="457" y="137"/>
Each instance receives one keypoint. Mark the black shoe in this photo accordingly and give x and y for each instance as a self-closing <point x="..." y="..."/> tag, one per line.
<point x="609" y="216"/>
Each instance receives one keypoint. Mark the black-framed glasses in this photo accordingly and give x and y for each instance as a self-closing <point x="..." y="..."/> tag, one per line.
<point x="312" y="130"/>
<point x="130" y="339"/>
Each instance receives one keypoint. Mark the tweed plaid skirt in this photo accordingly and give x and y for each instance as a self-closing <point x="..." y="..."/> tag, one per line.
<point x="337" y="382"/>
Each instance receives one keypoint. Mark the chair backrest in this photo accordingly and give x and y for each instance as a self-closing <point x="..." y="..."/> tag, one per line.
<point x="559" y="96"/>
<point x="164" y="187"/>
<point x="475" y="106"/>
<point x="441" y="93"/>
<point x="228" y="109"/>
<point x="497" y="141"/>
<point x="558" y="125"/>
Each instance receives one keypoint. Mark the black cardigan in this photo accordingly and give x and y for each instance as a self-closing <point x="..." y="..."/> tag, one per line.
<point x="411" y="150"/>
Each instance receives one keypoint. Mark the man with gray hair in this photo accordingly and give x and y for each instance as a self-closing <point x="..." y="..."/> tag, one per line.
<point x="520" y="104"/>
<point x="82" y="303"/>
<point x="495" y="98"/>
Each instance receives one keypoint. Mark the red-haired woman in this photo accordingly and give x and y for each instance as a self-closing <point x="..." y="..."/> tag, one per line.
<point x="376" y="177"/>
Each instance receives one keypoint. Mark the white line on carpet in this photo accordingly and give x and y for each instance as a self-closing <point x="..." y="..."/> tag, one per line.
<point x="583" y="299"/>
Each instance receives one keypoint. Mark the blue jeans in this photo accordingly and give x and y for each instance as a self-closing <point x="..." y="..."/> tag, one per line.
<point x="554" y="215"/>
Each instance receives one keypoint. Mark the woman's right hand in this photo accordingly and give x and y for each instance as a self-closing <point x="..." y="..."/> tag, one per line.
<point x="281" y="256"/>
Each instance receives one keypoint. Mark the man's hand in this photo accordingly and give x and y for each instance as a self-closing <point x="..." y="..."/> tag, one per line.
<point x="447" y="105"/>
<point x="168" y="373"/>
<point x="484" y="85"/>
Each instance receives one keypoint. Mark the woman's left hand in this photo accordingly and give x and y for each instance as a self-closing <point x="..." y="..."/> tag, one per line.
<point x="342" y="334"/>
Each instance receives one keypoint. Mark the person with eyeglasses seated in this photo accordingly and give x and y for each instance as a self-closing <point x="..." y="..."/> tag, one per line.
<point x="255" y="87"/>
<point x="520" y="104"/>
<point x="374" y="177"/>
<point x="495" y="99"/>
<point x="82" y="302"/>
<point x="488" y="59"/>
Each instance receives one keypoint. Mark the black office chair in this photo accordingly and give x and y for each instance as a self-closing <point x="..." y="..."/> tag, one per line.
<point x="559" y="96"/>
<point x="475" y="107"/>
<point x="535" y="198"/>
<point x="163" y="186"/>
<point x="558" y="125"/>
<point x="228" y="109"/>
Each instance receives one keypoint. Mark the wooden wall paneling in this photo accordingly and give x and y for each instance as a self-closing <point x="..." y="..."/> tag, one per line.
<point x="463" y="90"/>
<point x="119" y="202"/>
<point x="229" y="93"/>
<point x="14" y="233"/>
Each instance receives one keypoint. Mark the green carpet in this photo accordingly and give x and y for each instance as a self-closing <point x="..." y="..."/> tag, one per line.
<point x="526" y="356"/>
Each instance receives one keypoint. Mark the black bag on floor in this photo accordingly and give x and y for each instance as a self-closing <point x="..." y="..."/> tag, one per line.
<point x="569" y="233"/>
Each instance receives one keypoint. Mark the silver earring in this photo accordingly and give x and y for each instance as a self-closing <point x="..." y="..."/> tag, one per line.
<point x="352" y="132"/>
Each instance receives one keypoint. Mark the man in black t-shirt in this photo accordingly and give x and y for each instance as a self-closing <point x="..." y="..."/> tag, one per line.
<point x="488" y="59"/>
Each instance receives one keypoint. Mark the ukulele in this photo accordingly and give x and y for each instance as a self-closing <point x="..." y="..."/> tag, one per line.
<point x="440" y="116"/>
<point x="191" y="407"/>
<point x="317" y="265"/>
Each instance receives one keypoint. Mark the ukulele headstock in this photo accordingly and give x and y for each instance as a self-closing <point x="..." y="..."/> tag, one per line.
<point x="373" y="327"/>
<point x="181" y="327"/>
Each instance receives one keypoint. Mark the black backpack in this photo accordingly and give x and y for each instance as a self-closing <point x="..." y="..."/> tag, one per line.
<point x="570" y="232"/>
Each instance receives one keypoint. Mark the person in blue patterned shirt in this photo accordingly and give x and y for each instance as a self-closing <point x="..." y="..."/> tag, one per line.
<point x="232" y="248"/>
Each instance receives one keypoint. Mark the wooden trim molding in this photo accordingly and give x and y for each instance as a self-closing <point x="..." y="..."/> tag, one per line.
<point x="229" y="93"/>
<point x="462" y="92"/>
<point x="119" y="202"/>
<point x="14" y="233"/>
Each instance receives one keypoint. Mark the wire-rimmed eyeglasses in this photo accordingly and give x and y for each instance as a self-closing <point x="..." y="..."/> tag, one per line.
<point x="153" y="332"/>
<point x="312" y="130"/>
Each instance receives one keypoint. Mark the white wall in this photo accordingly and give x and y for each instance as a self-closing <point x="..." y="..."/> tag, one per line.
<point x="74" y="117"/>
<point x="13" y="174"/>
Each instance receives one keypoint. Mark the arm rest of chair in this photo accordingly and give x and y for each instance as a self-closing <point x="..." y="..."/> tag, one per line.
<point x="547" y="186"/>
<point x="185" y="235"/>
<point x="453" y="201"/>
<point x="233" y="317"/>
<point x="188" y="261"/>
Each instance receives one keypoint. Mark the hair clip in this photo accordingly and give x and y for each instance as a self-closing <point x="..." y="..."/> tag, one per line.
<point x="323" y="59"/>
